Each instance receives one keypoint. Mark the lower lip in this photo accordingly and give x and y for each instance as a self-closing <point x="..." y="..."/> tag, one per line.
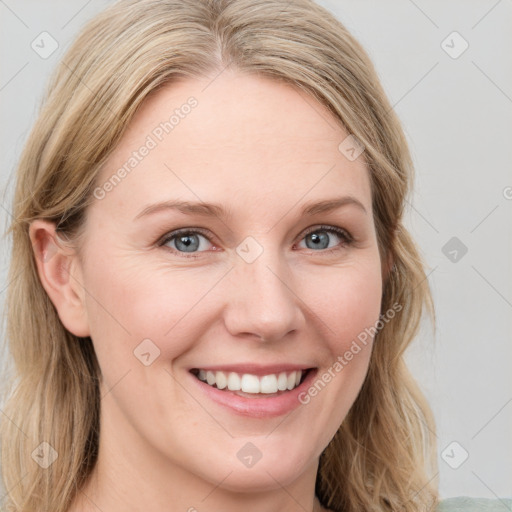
<point x="264" y="407"/>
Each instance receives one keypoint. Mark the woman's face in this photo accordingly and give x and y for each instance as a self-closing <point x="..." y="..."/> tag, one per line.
<point x="252" y="290"/>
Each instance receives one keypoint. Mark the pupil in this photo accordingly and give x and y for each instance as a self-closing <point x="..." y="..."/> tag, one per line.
<point x="317" y="240"/>
<point x="187" y="243"/>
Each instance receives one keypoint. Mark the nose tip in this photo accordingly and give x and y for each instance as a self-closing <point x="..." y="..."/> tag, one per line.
<point x="262" y="303"/>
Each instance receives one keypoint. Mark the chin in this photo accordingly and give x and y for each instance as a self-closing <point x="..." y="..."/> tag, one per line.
<point x="260" y="465"/>
<point x="260" y="478"/>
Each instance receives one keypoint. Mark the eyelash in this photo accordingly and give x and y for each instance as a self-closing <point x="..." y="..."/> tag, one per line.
<point x="347" y="239"/>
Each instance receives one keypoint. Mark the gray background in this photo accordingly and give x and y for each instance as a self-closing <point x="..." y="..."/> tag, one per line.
<point x="457" y="115"/>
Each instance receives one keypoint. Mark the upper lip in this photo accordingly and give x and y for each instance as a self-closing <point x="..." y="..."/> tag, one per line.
<point x="254" y="369"/>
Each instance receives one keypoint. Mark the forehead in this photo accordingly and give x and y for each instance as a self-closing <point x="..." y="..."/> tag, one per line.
<point x="236" y="136"/>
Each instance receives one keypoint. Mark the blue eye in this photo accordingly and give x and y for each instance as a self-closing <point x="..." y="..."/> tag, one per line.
<point x="187" y="242"/>
<point x="318" y="238"/>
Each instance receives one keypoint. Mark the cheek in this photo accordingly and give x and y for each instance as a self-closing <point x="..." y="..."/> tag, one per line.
<point x="348" y="301"/>
<point x="351" y="302"/>
<point x="128" y="303"/>
<point x="350" y="307"/>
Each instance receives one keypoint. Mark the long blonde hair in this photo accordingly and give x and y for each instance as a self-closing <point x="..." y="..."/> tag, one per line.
<point x="383" y="457"/>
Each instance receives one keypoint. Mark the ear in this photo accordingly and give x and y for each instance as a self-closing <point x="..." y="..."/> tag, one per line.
<point x="60" y="273"/>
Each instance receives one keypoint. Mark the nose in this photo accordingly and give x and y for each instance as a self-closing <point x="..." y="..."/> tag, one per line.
<point x="261" y="301"/>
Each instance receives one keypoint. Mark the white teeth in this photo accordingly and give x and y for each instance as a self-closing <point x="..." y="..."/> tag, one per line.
<point x="291" y="381"/>
<point x="282" y="380"/>
<point x="268" y="384"/>
<point x="221" y="380"/>
<point x="210" y="378"/>
<point x="248" y="383"/>
<point x="233" y="382"/>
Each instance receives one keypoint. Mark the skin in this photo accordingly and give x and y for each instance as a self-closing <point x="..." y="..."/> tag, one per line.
<point x="262" y="150"/>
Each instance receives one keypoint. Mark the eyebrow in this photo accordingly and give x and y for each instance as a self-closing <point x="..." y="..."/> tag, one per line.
<point x="216" y="210"/>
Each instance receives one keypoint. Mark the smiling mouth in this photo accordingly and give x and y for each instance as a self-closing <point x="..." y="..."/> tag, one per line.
<point x="250" y="385"/>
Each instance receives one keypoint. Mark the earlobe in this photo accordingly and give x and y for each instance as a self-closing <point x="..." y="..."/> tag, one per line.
<point x="60" y="274"/>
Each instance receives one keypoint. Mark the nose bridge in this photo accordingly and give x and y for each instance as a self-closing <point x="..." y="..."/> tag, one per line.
<point x="263" y="302"/>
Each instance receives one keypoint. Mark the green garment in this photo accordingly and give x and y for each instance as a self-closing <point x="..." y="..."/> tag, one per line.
<point x="466" y="504"/>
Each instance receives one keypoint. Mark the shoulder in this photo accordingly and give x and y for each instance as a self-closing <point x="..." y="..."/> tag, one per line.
<point x="467" y="504"/>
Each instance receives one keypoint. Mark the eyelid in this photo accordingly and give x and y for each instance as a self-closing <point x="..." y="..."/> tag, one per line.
<point x="176" y="232"/>
<point x="331" y="229"/>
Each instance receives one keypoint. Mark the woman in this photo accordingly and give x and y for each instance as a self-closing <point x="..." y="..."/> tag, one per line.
<point x="215" y="286"/>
